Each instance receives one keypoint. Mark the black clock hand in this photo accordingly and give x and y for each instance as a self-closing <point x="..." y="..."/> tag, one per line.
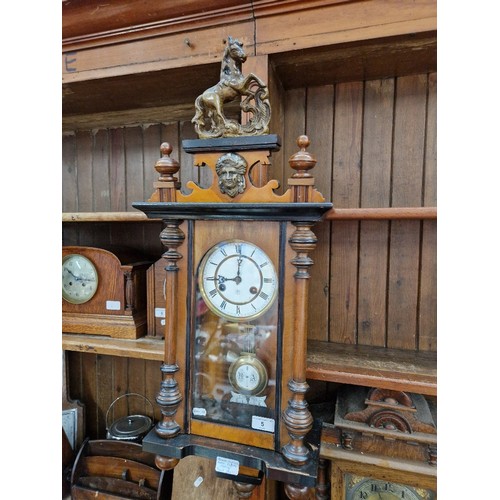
<point x="77" y="278"/>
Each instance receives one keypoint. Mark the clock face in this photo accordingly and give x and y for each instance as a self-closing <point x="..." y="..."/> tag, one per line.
<point x="376" y="489"/>
<point x="237" y="280"/>
<point x="79" y="279"/>
<point x="248" y="375"/>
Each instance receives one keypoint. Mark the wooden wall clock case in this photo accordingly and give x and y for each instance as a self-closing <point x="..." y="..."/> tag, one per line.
<point x="205" y="411"/>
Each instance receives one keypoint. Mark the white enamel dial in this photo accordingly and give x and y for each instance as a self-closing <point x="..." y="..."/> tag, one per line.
<point x="79" y="279"/>
<point x="247" y="377"/>
<point x="237" y="280"/>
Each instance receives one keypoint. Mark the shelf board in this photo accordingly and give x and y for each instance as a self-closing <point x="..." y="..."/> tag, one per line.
<point x="347" y="364"/>
<point x="143" y="348"/>
<point x="383" y="213"/>
<point x="404" y="370"/>
<point x="106" y="217"/>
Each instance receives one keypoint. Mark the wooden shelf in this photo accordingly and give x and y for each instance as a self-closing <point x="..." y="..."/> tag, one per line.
<point x="143" y="348"/>
<point x="106" y="217"/>
<point x="347" y="364"/>
<point x="383" y="213"/>
<point x="412" y="371"/>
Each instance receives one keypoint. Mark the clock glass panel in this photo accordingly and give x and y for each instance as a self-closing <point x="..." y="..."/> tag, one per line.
<point x="235" y="339"/>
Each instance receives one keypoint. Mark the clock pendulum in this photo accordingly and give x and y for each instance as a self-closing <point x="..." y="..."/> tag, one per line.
<point x="248" y="374"/>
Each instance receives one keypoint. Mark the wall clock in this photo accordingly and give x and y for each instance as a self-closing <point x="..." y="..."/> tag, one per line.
<point x="235" y="276"/>
<point x="104" y="291"/>
<point x="236" y="261"/>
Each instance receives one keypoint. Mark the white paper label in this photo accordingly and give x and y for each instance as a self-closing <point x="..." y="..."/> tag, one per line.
<point x="198" y="481"/>
<point x="162" y="322"/>
<point x="159" y="312"/>
<point x="227" y="466"/>
<point x="199" y="412"/>
<point x="248" y="400"/>
<point x="113" y="305"/>
<point x="263" y="423"/>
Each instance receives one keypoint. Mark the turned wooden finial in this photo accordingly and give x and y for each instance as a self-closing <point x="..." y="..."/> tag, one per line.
<point x="302" y="161"/>
<point x="167" y="166"/>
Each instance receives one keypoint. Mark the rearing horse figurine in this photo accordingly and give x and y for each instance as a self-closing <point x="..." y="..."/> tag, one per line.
<point x="210" y="121"/>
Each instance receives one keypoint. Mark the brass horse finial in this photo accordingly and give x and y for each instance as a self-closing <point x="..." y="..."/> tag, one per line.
<point x="210" y="121"/>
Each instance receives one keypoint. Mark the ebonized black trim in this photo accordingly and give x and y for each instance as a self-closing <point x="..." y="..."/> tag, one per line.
<point x="271" y="142"/>
<point x="305" y="212"/>
<point x="272" y="463"/>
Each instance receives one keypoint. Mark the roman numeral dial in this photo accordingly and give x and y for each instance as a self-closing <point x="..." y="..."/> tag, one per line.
<point x="237" y="280"/>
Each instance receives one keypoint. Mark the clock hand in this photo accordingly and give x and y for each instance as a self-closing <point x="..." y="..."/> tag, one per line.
<point x="79" y="278"/>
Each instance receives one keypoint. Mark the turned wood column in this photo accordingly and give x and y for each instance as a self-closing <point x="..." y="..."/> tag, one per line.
<point x="169" y="396"/>
<point x="297" y="417"/>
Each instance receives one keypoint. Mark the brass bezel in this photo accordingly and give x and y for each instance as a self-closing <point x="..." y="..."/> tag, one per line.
<point x="206" y="297"/>
<point x="71" y="300"/>
<point x="248" y="358"/>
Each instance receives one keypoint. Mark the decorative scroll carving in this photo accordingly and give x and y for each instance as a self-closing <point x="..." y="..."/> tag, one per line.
<point x="209" y="119"/>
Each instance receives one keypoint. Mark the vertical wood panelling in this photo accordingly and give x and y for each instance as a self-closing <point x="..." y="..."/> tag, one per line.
<point x="84" y="142"/>
<point x="407" y="183"/>
<point x="134" y="166"/>
<point x="345" y="193"/>
<point x="117" y="174"/>
<point x="69" y="178"/>
<point x="151" y="141"/>
<point x="427" y="334"/>
<point x="104" y="379"/>
<point x="295" y="124"/>
<point x="89" y="393"/>
<point x="100" y="169"/>
<point x="375" y="192"/>
<point x="188" y="171"/>
<point x="319" y="128"/>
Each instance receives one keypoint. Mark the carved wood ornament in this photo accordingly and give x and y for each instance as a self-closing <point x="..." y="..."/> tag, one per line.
<point x="271" y="429"/>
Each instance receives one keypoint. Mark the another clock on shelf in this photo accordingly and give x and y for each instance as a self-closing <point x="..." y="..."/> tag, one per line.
<point x="358" y="487"/>
<point x="104" y="291"/>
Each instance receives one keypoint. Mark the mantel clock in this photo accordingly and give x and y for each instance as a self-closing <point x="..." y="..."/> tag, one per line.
<point x="236" y="260"/>
<point x="104" y="291"/>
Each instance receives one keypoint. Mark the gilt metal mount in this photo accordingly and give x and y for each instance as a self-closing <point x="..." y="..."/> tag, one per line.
<point x="210" y="120"/>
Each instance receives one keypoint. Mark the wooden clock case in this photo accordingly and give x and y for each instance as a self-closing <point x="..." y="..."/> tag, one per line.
<point x="118" y="308"/>
<point x="281" y="226"/>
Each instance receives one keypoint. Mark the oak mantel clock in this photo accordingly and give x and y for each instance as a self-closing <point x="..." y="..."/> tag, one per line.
<point x="104" y="291"/>
<point x="237" y="259"/>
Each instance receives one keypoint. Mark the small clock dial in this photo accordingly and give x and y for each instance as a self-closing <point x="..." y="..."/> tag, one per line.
<point x="248" y="375"/>
<point x="237" y="280"/>
<point x="79" y="279"/>
<point x="375" y="489"/>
